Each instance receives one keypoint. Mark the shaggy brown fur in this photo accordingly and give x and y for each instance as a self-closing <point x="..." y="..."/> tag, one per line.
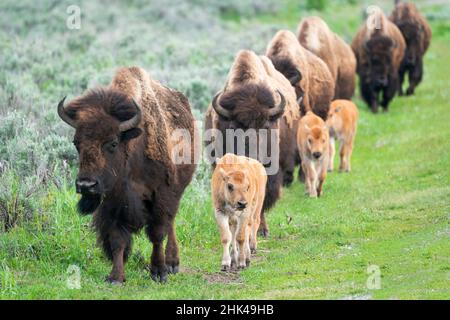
<point x="417" y="34"/>
<point x="315" y="35"/>
<point x="379" y="48"/>
<point x="315" y="85"/>
<point x="127" y="179"/>
<point x="249" y="93"/>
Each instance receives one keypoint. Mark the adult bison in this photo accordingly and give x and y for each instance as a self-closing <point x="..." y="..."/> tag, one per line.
<point x="307" y="73"/>
<point x="127" y="177"/>
<point x="315" y="35"/>
<point x="379" y="48"/>
<point x="256" y="99"/>
<point x="310" y="77"/>
<point x="417" y="34"/>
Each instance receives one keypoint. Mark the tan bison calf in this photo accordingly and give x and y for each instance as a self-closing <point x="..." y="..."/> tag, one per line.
<point x="313" y="145"/>
<point x="238" y="190"/>
<point x="342" y="122"/>
<point x="315" y="35"/>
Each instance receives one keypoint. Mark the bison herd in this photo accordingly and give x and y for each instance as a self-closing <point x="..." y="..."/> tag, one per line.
<point x="289" y="104"/>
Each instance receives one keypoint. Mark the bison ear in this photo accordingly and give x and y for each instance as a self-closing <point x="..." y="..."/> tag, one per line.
<point x="130" y="134"/>
<point x="296" y="77"/>
<point x="223" y="174"/>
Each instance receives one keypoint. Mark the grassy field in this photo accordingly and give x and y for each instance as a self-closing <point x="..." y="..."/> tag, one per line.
<point x="390" y="213"/>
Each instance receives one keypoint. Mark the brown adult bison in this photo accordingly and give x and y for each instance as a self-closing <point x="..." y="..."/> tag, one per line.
<point x="127" y="176"/>
<point x="310" y="77"/>
<point x="315" y="35"/>
<point x="308" y="74"/>
<point x="379" y="48"/>
<point x="256" y="96"/>
<point x="417" y="34"/>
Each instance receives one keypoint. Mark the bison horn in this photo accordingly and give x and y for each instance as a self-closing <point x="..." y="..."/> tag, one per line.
<point x="280" y="108"/>
<point x="63" y="115"/>
<point x="133" y="122"/>
<point x="218" y="108"/>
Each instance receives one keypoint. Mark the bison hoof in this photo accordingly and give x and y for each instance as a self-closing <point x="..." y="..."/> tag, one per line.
<point x="225" y="268"/>
<point x="409" y="92"/>
<point x="242" y="266"/>
<point x="263" y="232"/>
<point x="173" y="269"/>
<point x="118" y="281"/>
<point x="247" y="262"/>
<point x="253" y="250"/>
<point x="159" y="275"/>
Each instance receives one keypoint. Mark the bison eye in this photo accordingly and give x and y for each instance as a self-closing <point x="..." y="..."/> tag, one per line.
<point x="230" y="187"/>
<point x="111" y="145"/>
<point x="76" y="144"/>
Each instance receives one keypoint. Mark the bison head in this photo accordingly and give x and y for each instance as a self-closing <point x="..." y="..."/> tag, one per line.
<point x="236" y="188"/>
<point x="317" y="140"/>
<point x="104" y="121"/>
<point x="286" y="67"/>
<point x="249" y="107"/>
<point x="413" y="34"/>
<point x="379" y="52"/>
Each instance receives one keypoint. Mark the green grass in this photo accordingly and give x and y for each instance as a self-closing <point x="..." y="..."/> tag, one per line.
<point x="391" y="211"/>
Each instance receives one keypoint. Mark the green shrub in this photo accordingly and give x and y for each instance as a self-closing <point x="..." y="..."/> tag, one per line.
<point x="318" y="5"/>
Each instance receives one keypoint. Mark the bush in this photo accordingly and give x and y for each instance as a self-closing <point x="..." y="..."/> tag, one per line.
<point x="318" y="5"/>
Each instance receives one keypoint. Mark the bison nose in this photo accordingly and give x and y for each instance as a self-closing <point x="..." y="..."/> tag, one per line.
<point x="317" y="155"/>
<point x="242" y="204"/>
<point x="86" y="186"/>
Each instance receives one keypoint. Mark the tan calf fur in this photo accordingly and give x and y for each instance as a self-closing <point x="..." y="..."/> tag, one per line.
<point x="313" y="145"/>
<point x="342" y="124"/>
<point x="238" y="189"/>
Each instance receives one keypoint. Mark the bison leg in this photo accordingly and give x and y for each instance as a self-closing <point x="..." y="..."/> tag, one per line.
<point x="273" y="187"/>
<point x="369" y="95"/>
<point x="225" y="238"/>
<point x="248" y="252"/>
<point x="332" y="151"/>
<point x="389" y="92"/>
<point x="234" y="248"/>
<point x="401" y="78"/>
<point x="255" y="225"/>
<point x="156" y="231"/>
<point x="298" y="161"/>
<point x="288" y="178"/>
<point x="263" y="228"/>
<point x="322" y="177"/>
<point x="117" y="246"/>
<point x="415" y="76"/>
<point x="241" y="237"/>
<point x="172" y="255"/>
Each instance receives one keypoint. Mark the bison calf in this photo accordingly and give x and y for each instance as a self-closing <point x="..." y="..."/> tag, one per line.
<point x="341" y="122"/>
<point x="313" y="145"/>
<point x="238" y="190"/>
